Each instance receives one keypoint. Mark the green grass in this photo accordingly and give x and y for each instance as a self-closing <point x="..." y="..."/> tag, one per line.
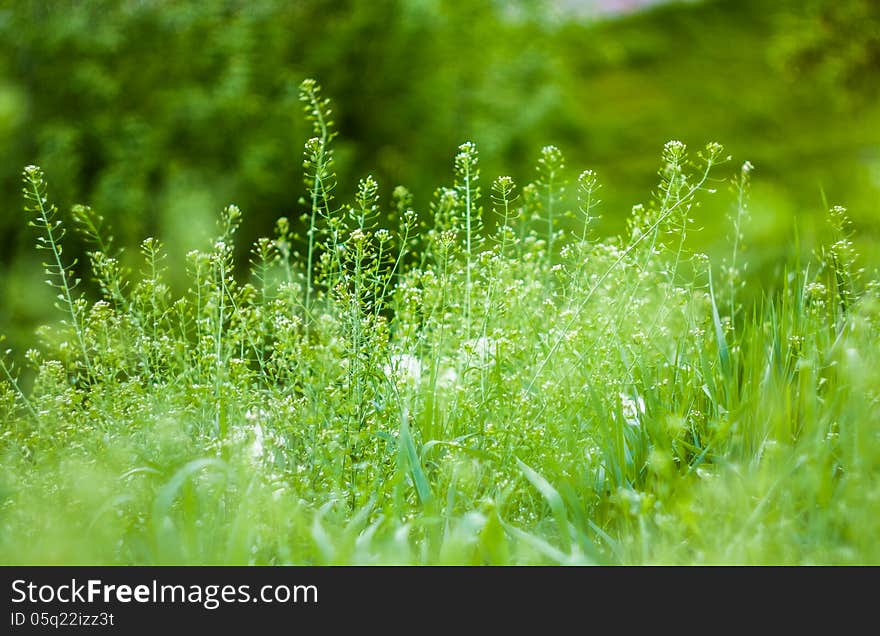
<point x="442" y="394"/>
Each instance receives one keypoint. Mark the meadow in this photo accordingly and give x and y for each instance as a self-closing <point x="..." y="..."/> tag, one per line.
<point x="473" y="383"/>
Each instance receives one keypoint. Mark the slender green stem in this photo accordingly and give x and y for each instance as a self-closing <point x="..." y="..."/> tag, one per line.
<point x="47" y="225"/>
<point x="14" y="384"/>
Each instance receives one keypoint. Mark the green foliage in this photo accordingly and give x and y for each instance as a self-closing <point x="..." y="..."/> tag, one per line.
<point x="134" y="106"/>
<point x="157" y="141"/>
<point x="836" y="42"/>
<point x="427" y="396"/>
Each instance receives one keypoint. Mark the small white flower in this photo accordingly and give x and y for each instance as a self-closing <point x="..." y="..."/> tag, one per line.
<point x="257" y="446"/>
<point x="253" y="415"/>
<point x="674" y="146"/>
<point x="404" y="368"/>
<point x="632" y="409"/>
<point x="448" y="377"/>
<point x="483" y="349"/>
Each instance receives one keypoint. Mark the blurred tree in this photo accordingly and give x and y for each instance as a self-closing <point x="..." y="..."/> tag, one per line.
<point x="836" y="43"/>
<point x="158" y="112"/>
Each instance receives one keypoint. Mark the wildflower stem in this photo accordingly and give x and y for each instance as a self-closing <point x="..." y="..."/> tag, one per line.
<point x="14" y="384"/>
<point x="36" y="195"/>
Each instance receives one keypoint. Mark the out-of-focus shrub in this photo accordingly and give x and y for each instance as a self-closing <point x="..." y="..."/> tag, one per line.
<point x="158" y="112"/>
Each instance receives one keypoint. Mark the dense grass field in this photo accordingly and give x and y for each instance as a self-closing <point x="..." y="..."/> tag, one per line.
<point x="485" y="387"/>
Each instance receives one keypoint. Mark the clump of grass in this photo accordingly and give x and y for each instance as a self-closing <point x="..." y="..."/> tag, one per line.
<point x="429" y="394"/>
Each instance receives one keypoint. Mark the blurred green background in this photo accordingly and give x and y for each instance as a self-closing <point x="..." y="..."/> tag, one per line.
<point x="159" y="112"/>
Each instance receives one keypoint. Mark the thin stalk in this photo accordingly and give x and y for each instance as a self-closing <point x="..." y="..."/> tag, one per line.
<point x="14" y="383"/>
<point x="62" y="273"/>
<point x="468" y="204"/>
